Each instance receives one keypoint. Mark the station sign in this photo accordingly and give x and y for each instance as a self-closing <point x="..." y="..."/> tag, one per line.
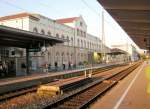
<point x="34" y="50"/>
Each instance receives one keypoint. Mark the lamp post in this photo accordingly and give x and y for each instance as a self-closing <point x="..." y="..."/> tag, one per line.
<point x="75" y="61"/>
<point x="103" y="39"/>
<point x="54" y="45"/>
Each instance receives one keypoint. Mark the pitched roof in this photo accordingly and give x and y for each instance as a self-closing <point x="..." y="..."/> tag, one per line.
<point x="67" y="20"/>
<point x="24" y="14"/>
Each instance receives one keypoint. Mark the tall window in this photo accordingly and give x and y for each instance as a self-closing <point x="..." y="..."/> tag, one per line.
<point x="62" y="55"/>
<point x="62" y="36"/>
<point x="78" y="43"/>
<point x="84" y="34"/>
<point x="81" y="24"/>
<point x="35" y="30"/>
<point x="85" y="44"/>
<point x="72" y="41"/>
<point x="68" y="40"/>
<point x="42" y="32"/>
<point x="81" y="43"/>
<point x="57" y="56"/>
<point x="78" y="32"/>
<point x="90" y="45"/>
<point x="57" y="35"/>
<point x="81" y="33"/>
<point x="49" y="33"/>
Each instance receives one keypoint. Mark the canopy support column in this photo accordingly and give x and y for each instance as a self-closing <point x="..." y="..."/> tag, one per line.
<point x="27" y="61"/>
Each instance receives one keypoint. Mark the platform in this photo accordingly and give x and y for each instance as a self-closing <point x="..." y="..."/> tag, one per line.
<point x="11" y="84"/>
<point x="130" y="93"/>
<point x="61" y="86"/>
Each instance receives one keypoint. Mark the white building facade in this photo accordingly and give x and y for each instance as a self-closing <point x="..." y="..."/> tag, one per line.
<point x="77" y="50"/>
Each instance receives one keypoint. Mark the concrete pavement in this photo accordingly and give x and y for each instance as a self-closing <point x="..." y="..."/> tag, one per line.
<point x="129" y="93"/>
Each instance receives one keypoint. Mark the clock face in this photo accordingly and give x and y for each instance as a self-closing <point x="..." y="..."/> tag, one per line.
<point x="43" y="49"/>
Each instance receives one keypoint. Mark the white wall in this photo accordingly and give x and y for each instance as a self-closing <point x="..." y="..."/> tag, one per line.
<point x="93" y="44"/>
<point x="19" y="23"/>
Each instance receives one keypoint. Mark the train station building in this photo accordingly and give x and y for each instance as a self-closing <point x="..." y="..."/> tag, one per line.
<point x="24" y="40"/>
<point x="78" y="48"/>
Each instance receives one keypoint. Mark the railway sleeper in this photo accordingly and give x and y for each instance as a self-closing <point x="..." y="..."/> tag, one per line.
<point x="66" y="107"/>
<point x="75" y="102"/>
<point x="100" y="89"/>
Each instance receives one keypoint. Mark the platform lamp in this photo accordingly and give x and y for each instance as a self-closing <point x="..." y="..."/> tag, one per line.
<point x="103" y="39"/>
<point x="146" y="43"/>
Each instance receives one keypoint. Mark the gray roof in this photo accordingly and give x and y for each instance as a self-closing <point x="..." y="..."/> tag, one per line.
<point x="12" y="37"/>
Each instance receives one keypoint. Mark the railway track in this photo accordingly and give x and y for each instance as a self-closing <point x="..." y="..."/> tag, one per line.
<point x="83" y="98"/>
<point x="16" y="93"/>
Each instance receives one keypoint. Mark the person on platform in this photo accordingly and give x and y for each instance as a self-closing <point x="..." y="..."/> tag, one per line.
<point x="46" y="67"/>
<point x="56" y="66"/>
<point x="64" y="66"/>
<point x="1" y="69"/>
<point x="69" y="65"/>
<point x="23" y="66"/>
<point x="5" y="68"/>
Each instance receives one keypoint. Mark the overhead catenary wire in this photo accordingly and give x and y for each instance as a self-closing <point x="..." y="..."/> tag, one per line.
<point x="105" y="20"/>
<point x="23" y="9"/>
<point x="13" y="5"/>
<point x="92" y="9"/>
<point x="98" y="14"/>
<point x="47" y="6"/>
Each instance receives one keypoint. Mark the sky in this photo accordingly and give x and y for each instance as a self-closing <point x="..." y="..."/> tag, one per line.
<point x="90" y="10"/>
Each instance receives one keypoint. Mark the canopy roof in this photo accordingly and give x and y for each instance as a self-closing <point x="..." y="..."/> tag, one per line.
<point x="134" y="18"/>
<point x="116" y="51"/>
<point x="11" y="37"/>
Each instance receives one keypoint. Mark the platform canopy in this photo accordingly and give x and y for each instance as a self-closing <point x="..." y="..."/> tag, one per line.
<point x="133" y="16"/>
<point x="116" y="51"/>
<point x="11" y="37"/>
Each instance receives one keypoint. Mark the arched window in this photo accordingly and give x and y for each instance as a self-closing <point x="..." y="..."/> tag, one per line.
<point x="57" y="35"/>
<point x="84" y="44"/>
<point x="72" y="41"/>
<point x="49" y="33"/>
<point x="42" y="32"/>
<point x="57" y="56"/>
<point x="78" y="32"/>
<point x="90" y="45"/>
<point x="81" y="43"/>
<point x="78" y="43"/>
<point x="62" y="55"/>
<point x="67" y="54"/>
<point x="84" y="34"/>
<point x="68" y="40"/>
<point x="35" y="30"/>
<point x="57" y="53"/>
<point x="81" y="33"/>
<point x="71" y="55"/>
<point x="62" y="36"/>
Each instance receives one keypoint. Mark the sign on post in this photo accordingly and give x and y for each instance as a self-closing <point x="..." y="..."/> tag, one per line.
<point x="34" y="50"/>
